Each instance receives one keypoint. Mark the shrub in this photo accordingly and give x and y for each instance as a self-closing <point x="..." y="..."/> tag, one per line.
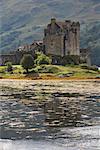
<point x="94" y="68"/>
<point x="51" y="69"/>
<point x="2" y="69"/>
<point x="27" y="62"/>
<point x="42" y="59"/>
<point x="47" y="69"/>
<point x="84" y="66"/>
<point x="70" y="59"/>
<point x="9" y="67"/>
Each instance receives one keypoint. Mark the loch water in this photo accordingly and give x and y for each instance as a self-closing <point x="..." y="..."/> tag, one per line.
<point x="49" y="115"/>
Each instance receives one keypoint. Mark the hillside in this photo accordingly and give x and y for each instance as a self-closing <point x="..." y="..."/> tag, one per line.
<point x="90" y="37"/>
<point x="24" y="21"/>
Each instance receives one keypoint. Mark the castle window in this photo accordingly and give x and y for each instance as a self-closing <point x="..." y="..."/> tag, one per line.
<point x="66" y="37"/>
<point x="68" y="52"/>
<point x="52" y="42"/>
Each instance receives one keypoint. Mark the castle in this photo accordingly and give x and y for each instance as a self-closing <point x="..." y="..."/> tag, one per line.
<point x="60" y="39"/>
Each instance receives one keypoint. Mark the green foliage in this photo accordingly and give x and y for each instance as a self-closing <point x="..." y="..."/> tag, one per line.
<point x="2" y="69"/>
<point x="27" y="62"/>
<point x="17" y="69"/>
<point x="47" y="69"/>
<point x="70" y="59"/>
<point x="84" y="66"/>
<point x="53" y="69"/>
<point x="94" y="68"/>
<point x="42" y="59"/>
<point x="9" y="67"/>
<point x="66" y="60"/>
<point x="65" y="74"/>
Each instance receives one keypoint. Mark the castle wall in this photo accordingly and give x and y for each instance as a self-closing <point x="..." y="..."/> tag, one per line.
<point x="71" y="48"/>
<point x="73" y="41"/>
<point x="85" y="56"/>
<point x="78" y="40"/>
<point x="7" y="58"/>
<point x="54" y="45"/>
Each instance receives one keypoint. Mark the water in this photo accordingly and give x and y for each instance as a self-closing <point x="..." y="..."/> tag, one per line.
<point x="52" y="115"/>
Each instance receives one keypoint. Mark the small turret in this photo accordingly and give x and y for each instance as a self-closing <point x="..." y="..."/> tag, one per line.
<point x="53" y="20"/>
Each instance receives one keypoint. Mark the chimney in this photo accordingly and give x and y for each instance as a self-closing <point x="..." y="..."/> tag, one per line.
<point x="78" y="24"/>
<point x="68" y="21"/>
<point x="53" y="20"/>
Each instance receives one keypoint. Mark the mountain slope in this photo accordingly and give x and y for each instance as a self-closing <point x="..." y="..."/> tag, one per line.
<point x="24" y="21"/>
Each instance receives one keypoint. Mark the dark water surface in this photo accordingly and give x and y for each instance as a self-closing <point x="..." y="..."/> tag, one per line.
<point x="52" y="115"/>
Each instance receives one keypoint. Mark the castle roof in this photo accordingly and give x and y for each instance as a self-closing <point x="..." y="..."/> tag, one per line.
<point x="62" y="25"/>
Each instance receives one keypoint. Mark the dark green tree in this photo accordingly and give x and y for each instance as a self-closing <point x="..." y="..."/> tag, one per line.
<point x="27" y="62"/>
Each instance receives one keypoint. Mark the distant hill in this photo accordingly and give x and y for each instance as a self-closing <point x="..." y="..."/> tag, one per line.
<point x="23" y="21"/>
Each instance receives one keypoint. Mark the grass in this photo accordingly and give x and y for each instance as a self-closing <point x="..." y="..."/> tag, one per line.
<point x="49" y="72"/>
<point x="17" y="72"/>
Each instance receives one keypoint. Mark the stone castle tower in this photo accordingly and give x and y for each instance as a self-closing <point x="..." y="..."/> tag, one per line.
<point x="62" y="38"/>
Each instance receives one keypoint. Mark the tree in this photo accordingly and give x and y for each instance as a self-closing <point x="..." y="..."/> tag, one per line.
<point x="27" y="62"/>
<point x="9" y="66"/>
<point x="42" y="59"/>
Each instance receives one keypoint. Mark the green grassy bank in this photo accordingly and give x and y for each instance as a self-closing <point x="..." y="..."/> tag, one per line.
<point x="50" y="72"/>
